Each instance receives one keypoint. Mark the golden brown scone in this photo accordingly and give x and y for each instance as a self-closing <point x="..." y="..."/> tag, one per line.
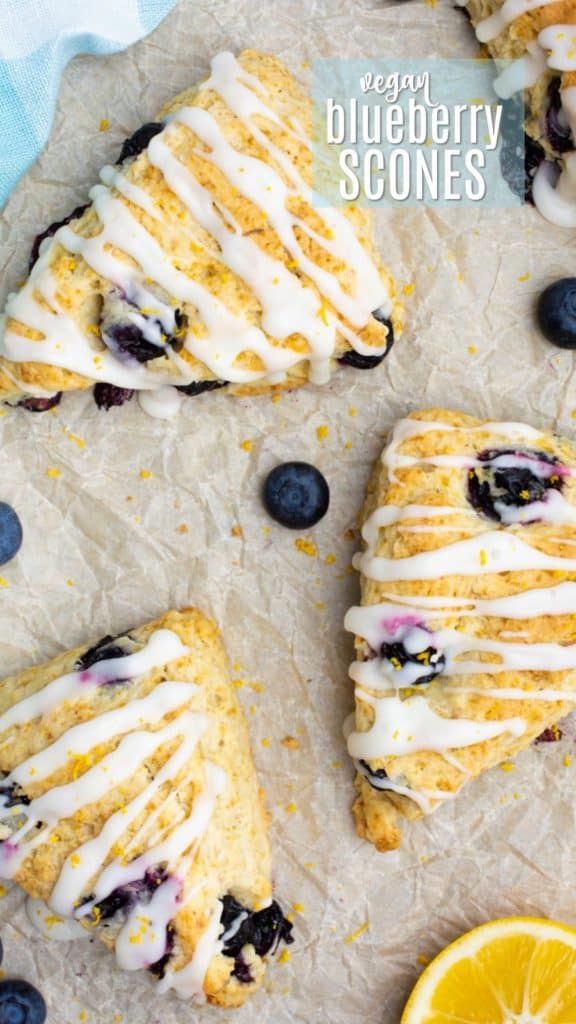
<point x="540" y="37"/>
<point x="466" y="634"/>
<point x="130" y="802"/>
<point x="201" y="261"/>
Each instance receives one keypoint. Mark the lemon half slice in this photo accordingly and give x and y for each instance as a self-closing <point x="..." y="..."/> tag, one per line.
<point x="518" y="970"/>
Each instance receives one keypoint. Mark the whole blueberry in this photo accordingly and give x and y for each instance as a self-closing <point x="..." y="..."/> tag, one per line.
<point x="10" y="533"/>
<point x="556" y="312"/>
<point x="21" y="1003"/>
<point x="296" y="495"/>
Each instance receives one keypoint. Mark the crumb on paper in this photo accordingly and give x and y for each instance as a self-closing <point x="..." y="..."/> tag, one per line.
<point x="104" y="124"/>
<point x="423" y="960"/>
<point x="290" y="742"/>
<point x="356" y="935"/>
<point x="566" y="760"/>
<point x="507" y="766"/>
<point x="265" y="742"/>
<point x="524" y="277"/>
<point x="3" y="891"/>
<point x="472" y="349"/>
<point x="307" y="547"/>
<point x="52" y="472"/>
<point x="298" y="907"/>
<point x="320" y="606"/>
<point x="70" y="583"/>
<point x="145" y="474"/>
<point x="246" y="445"/>
<point x="408" y="288"/>
<point x="4" y="582"/>
<point x="284" y="957"/>
<point x="236" y="530"/>
<point x="291" y="808"/>
<point x="322" y="431"/>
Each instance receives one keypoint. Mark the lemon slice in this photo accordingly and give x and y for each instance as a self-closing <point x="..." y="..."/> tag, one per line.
<point x="518" y="970"/>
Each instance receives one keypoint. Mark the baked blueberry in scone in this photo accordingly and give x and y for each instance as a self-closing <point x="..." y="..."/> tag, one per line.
<point x="201" y="261"/>
<point x="129" y="801"/>
<point x="465" y="633"/>
<point x="538" y="38"/>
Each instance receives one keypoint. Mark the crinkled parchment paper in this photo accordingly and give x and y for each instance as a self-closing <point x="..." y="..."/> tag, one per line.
<point x="106" y="549"/>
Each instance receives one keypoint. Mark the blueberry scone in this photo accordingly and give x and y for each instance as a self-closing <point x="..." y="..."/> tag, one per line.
<point x="465" y="635"/>
<point x="201" y="261"/>
<point x="129" y="801"/>
<point x="538" y="38"/>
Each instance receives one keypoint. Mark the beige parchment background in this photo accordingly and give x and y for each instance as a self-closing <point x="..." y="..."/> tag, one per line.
<point x="106" y="549"/>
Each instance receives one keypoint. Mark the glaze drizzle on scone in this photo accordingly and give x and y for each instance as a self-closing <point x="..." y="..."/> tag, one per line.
<point x="540" y="38"/>
<point x="203" y="259"/>
<point x="464" y="637"/>
<point x="123" y="815"/>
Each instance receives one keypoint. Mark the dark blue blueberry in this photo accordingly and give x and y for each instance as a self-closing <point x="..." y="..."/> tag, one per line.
<point x="360" y="362"/>
<point x="513" y="486"/>
<point x="556" y="312"/>
<point x="559" y="135"/>
<point x="21" y="1003"/>
<point x="104" y="650"/>
<point x="433" y="663"/>
<point x="52" y="231"/>
<point x="108" y="395"/>
<point x="13" y="795"/>
<point x="128" y="338"/>
<point x="139" y="140"/>
<point x="10" y="533"/>
<point x="197" y="387"/>
<point x="123" y="899"/>
<point x="40" y="404"/>
<point x="262" y="929"/>
<point x="296" y="495"/>
<point x="1" y="951"/>
<point x="159" y="968"/>
<point x="375" y="776"/>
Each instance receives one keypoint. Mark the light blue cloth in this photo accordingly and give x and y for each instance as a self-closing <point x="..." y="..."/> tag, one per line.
<point x="37" y="39"/>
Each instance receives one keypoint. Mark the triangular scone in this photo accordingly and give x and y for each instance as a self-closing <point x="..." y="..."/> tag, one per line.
<point x="536" y="40"/>
<point x="465" y="637"/>
<point x="130" y="801"/>
<point x="201" y="261"/>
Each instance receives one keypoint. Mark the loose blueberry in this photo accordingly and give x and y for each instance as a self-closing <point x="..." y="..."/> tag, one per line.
<point x="559" y="135"/>
<point x="360" y="362"/>
<point x="107" y="396"/>
<point x="105" y="649"/>
<point x="296" y="495"/>
<point x="21" y="1003"/>
<point x="429" y="660"/>
<point x="197" y="387"/>
<point x="262" y="929"/>
<point x="10" y="533"/>
<point x="139" y="140"/>
<point x="40" y="404"/>
<point x="494" y="484"/>
<point x="556" y="312"/>
<point x="52" y="231"/>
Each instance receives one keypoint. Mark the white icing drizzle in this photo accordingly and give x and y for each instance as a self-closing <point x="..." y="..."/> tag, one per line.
<point x="162" y="647"/>
<point x="58" y="929"/>
<point x="166" y="842"/>
<point x="288" y="305"/>
<point x="161" y="404"/>
<point x="490" y="27"/>
<point x="410" y="725"/>
<point x="560" y="43"/>
<point x="188" y="982"/>
<point x="403" y="721"/>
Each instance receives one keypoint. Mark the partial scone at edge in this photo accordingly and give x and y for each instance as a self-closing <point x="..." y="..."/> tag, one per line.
<point x="135" y="756"/>
<point x="465" y="634"/>
<point x="147" y="286"/>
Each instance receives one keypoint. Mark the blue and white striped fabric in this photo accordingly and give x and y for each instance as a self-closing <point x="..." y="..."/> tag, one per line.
<point x="37" y="39"/>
